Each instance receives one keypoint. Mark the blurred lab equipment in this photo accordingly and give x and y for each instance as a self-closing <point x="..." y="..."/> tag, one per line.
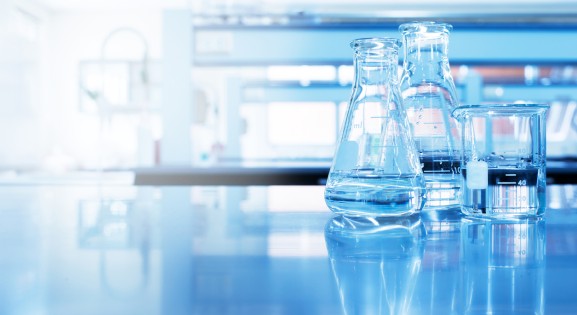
<point x="429" y="96"/>
<point x="562" y="129"/>
<point x="375" y="262"/>
<point x="503" y="268"/>
<point x="503" y="163"/>
<point x="122" y="87"/>
<point x="375" y="170"/>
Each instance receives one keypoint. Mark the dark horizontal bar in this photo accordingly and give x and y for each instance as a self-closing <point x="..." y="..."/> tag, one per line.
<point x="230" y="176"/>
<point x="557" y="173"/>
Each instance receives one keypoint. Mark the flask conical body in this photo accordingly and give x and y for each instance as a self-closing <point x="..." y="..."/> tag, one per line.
<point x="375" y="170"/>
<point x="429" y="96"/>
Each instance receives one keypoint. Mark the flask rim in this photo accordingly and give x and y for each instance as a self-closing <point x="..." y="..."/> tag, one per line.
<point x="425" y="27"/>
<point x="376" y="43"/>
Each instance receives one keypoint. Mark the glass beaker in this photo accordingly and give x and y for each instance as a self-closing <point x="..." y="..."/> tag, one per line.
<point x="504" y="159"/>
<point x="429" y="96"/>
<point x="375" y="171"/>
<point x="375" y="262"/>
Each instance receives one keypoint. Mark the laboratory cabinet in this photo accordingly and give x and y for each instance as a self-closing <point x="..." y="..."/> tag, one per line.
<point x="123" y="249"/>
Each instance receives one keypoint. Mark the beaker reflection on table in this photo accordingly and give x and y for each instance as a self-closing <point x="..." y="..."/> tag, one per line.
<point x="503" y="267"/>
<point x="375" y="262"/>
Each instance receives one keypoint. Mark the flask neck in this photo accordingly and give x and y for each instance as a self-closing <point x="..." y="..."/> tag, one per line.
<point x="426" y="57"/>
<point x="375" y="71"/>
<point x="428" y="51"/>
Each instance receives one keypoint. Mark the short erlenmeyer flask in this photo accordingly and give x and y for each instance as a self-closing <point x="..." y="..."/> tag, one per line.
<point x="429" y="96"/>
<point x="375" y="170"/>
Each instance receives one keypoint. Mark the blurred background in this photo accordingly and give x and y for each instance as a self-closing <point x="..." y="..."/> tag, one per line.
<point x="169" y="91"/>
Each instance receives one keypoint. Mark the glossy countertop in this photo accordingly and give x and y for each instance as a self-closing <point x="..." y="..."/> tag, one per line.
<point x="123" y="249"/>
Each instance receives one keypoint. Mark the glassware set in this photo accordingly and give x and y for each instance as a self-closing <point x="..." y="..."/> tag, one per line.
<point x="408" y="146"/>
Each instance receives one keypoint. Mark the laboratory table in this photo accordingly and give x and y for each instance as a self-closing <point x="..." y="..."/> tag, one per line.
<point x="123" y="249"/>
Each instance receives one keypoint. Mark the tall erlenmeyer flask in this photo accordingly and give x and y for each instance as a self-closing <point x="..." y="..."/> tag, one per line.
<point x="375" y="170"/>
<point x="429" y="96"/>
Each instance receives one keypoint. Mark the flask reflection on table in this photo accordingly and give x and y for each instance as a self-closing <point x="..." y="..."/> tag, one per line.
<point x="438" y="286"/>
<point x="503" y="267"/>
<point x="375" y="262"/>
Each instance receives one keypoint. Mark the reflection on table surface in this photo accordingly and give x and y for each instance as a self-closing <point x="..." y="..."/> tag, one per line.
<point x="272" y="250"/>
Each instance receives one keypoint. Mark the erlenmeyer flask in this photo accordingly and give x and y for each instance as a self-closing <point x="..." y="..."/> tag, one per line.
<point x="429" y="96"/>
<point x="375" y="170"/>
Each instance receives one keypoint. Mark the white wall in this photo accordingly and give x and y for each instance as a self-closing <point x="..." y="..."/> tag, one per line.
<point x="68" y="38"/>
<point x="41" y="126"/>
<point x="18" y="100"/>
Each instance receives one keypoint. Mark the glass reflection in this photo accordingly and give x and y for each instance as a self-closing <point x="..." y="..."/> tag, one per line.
<point x="120" y="230"/>
<point x="375" y="262"/>
<point x="562" y="197"/>
<point x="438" y="289"/>
<point x="503" y="267"/>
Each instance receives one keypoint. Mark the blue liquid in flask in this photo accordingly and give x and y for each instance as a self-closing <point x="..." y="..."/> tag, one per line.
<point x="375" y="171"/>
<point x="366" y="192"/>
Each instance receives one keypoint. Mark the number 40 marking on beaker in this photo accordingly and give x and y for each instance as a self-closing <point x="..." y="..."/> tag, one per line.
<point x="522" y="182"/>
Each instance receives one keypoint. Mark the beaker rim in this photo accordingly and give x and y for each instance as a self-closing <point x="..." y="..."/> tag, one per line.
<point x="425" y="27"/>
<point x="500" y="108"/>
